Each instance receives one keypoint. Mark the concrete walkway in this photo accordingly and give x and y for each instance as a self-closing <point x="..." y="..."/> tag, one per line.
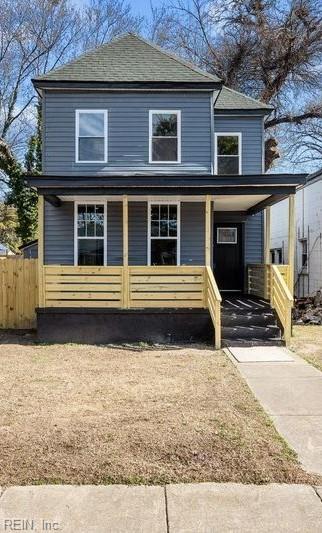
<point x="197" y="508"/>
<point x="291" y="393"/>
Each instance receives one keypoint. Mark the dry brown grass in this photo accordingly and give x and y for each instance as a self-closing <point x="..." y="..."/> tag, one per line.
<point x="307" y="342"/>
<point x="90" y="414"/>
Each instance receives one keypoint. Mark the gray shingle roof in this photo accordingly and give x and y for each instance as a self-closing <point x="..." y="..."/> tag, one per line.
<point x="229" y="99"/>
<point x="129" y="59"/>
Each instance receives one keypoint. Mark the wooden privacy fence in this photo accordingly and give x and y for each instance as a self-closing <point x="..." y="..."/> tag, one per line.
<point x="19" y="292"/>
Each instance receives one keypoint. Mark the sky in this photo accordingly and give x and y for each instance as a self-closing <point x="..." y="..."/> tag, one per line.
<point x="139" y="7"/>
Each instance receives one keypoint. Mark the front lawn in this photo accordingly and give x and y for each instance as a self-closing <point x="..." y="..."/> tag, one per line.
<point x="307" y="342"/>
<point x="94" y="414"/>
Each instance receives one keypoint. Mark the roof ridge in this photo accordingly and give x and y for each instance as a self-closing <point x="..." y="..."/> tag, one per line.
<point x="122" y="36"/>
<point x="174" y="57"/>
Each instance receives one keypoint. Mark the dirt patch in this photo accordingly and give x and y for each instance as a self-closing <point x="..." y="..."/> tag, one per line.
<point x="94" y="414"/>
<point x="307" y="342"/>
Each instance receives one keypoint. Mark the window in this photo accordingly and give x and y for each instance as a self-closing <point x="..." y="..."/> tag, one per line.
<point x="91" y="136"/>
<point x="276" y="256"/>
<point x="164" y="228"/>
<point x="90" y="234"/>
<point x="228" y="153"/>
<point x="226" y="235"/>
<point x="304" y="256"/>
<point x="165" y="137"/>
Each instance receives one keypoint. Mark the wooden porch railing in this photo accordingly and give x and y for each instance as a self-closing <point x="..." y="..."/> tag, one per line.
<point x="213" y="301"/>
<point x="133" y="287"/>
<point x="80" y="286"/>
<point x="166" y="286"/>
<point x="272" y="282"/>
<point x="282" y="301"/>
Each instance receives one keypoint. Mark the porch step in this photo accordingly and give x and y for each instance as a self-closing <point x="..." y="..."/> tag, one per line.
<point x="249" y="321"/>
<point x="270" y="332"/>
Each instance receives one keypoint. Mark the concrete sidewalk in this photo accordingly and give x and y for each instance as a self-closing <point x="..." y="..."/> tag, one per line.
<point x="291" y="393"/>
<point x="195" y="508"/>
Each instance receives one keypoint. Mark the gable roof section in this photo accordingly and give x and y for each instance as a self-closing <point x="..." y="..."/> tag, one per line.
<point x="229" y="99"/>
<point x="129" y="59"/>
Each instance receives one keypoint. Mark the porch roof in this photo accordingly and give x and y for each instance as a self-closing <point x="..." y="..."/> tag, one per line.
<point x="274" y="187"/>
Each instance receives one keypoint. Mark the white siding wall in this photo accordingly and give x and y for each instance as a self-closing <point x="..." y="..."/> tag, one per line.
<point x="308" y="226"/>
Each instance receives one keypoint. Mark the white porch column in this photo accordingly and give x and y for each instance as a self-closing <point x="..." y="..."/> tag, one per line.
<point x="291" y="240"/>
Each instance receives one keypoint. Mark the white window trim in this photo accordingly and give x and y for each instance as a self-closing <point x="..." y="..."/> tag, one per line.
<point x="177" y="238"/>
<point x="229" y="134"/>
<point x="165" y="111"/>
<point x="76" y="238"/>
<point x="226" y="242"/>
<point x="101" y="111"/>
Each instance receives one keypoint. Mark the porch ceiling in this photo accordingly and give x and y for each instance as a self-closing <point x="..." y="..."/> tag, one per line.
<point x="266" y="189"/>
<point x="239" y="202"/>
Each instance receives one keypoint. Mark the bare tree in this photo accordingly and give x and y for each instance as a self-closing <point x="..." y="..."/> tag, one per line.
<point x="36" y="37"/>
<point x="105" y="19"/>
<point x="268" y="49"/>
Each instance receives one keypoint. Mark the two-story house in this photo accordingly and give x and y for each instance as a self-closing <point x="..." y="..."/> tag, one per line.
<point x="151" y="203"/>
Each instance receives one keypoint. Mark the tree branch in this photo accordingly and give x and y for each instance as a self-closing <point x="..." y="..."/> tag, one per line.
<point x="293" y="119"/>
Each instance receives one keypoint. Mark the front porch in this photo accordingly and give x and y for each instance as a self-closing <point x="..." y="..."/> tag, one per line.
<point x="166" y="285"/>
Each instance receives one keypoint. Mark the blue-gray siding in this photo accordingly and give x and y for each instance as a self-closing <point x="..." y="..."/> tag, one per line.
<point x="128" y="131"/>
<point x="59" y="234"/>
<point x="254" y="239"/>
<point x="114" y="231"/>
<point x="251" y="128"/>
<point x="138" y="232"/>
<point x="193" y="233"/>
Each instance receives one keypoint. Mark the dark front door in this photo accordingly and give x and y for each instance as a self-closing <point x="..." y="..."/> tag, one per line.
<point x="228" y="257"/>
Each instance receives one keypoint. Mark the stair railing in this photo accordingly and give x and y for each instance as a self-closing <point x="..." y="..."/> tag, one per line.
<point x="213" y="302"/>
<point x="282" y="301"/>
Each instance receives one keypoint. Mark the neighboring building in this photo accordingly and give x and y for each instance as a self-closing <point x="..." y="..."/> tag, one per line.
<point x="29" y="250"/>
<point x="308" y="249"/>
<point x="5" y="251"/>
<point x="152" y="171"/>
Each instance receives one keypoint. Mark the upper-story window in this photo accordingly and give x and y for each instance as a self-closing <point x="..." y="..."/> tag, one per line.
<point x="228" y="153"/>
<point x="91" y="136"/>
<point x="165" y="137"/>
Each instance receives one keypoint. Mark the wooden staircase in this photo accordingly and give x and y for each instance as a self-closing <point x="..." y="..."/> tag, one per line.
<point x="249" y="321"/>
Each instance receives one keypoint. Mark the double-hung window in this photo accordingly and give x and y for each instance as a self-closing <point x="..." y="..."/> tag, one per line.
<point x="91" y="136"/>
<point x="165" y="137"/>
<point x="228" y="153"/>
<point x="90" y="221"/>
<point x="164" y="231"/>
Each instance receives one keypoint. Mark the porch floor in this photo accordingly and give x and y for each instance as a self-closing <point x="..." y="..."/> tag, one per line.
<point x="248" y="320"/>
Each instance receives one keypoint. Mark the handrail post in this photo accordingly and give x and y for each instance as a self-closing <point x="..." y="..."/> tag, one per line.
<point x="218" y="326"/>
<point x="41" y="284"/>
<point x="208" y="231"/>
<point x="126" y="281"/>
<point x="291" y="240"/>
